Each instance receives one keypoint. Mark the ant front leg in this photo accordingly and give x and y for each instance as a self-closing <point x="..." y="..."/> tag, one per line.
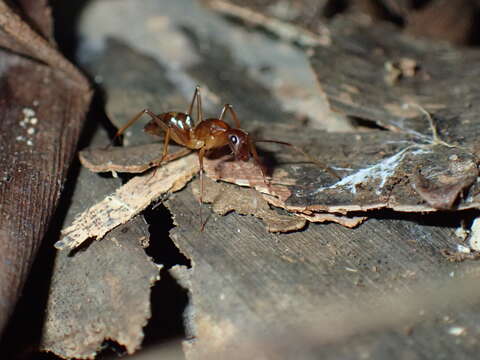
<point x="310" y="158"/>
<point x="254" y="153"/>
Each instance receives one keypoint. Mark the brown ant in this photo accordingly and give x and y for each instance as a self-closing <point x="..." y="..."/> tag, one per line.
<point x="206" y="135"/>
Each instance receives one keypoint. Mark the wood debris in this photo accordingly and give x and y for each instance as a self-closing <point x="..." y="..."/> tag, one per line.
<point x="128" y="201"/>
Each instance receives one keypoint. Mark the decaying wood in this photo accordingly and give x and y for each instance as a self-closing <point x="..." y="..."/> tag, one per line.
<point x="268" y="15"/>
<point x="128" y="201"/>
<point x="131" y="159"/>
<point x="243" y="278"/>
<point x="43" y="101"/>
<point x="101" y="293"/>
<point x="438" y="86"/>
<point x="306" y="22"/>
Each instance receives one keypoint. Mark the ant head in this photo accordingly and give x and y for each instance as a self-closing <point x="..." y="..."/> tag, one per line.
<point x="239" y="143"/>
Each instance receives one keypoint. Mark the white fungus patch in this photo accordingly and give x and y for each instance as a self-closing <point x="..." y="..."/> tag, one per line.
<point x="382" y="171"/>
<point x="28" y="112"/>
<point x="28" y="122"/>
<point x="457" y="330"/>
<point x="463" y="249"/>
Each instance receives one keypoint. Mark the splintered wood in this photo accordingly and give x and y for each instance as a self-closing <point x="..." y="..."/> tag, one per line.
<point x="128" y="201"/>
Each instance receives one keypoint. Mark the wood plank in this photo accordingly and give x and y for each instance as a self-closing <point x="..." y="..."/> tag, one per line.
<point x="250" y="288"/>
<point x="102" y="290"/>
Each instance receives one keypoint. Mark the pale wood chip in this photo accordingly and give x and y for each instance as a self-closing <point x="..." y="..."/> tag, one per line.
<point x="128" y="201"/>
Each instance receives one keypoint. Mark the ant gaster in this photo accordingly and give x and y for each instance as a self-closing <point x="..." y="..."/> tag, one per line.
<point x="205" y="135"/>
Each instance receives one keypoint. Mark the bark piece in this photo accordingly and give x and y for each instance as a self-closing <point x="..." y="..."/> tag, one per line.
<point x="101" y="293"/>
<point x="134" y="159"/>
<point x="226" y="198"/>
<point x="128" y="201"/>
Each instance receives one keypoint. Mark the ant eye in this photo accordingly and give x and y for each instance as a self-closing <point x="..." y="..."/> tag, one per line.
<point x="233" y="139"/>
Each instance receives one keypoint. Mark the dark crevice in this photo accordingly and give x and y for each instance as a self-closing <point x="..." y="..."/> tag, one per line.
<point x="365" y="123"/>
<point x="384" y="13"/>
<point x="67" y="15"/>
<point x="334" y="7"/>
<point x="168" y="302"/>
<point x="474" y="38"/>
<point x="441" y="218"/>
<point x="168" y="298"/>
<point x="22" y="335"/>
<point x="161" y="248"/>
<point x="111" y="349"/>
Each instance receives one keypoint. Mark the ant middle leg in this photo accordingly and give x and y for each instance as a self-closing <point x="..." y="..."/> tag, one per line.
<point x="229" y="107"/>
<point x="197" y="98"/>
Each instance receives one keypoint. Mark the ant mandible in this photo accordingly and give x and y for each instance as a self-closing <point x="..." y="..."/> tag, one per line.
<point x="206" y="135"/>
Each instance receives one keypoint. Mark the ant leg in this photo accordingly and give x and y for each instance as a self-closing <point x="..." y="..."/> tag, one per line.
<point x="196" y="94"/>
<point x="201" y="154"/>
<point x="165" y="144"/>
<point x="134" y="120"/>
<point x="253" y="151"/>
<point x="198" y="99"/>
<point x="199" y="107"/>
<point x="229" y="107"/>
<point x="165" y="149"/>
<point x="310" y="158"/>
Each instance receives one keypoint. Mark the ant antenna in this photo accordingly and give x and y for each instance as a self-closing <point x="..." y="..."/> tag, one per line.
<point x="310" y="158"/>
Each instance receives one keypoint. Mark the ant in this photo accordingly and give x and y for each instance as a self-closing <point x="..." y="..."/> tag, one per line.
<point x="206" y="135"/>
